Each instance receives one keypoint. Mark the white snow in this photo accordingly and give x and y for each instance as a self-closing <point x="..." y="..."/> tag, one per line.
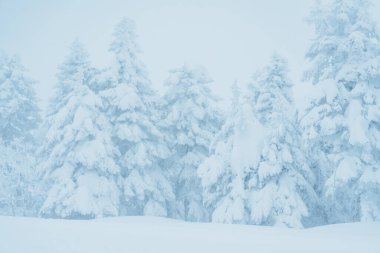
<point x="151" y="234"/>
<point x="248" y="141"/>
<point x="357" y="124"/>
<point x="347" y="169"/>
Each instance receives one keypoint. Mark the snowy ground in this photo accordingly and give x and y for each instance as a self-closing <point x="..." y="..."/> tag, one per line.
<point x="149" y="234"/>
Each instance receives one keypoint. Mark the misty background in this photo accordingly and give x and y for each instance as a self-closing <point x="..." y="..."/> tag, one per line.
<point x="231" y="39"/>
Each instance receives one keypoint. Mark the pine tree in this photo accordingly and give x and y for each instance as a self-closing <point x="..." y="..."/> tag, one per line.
<point x="341" y="124"/>
<point x="81" y="176"/>
<point x="19" y="119"/>
<point x="191" y="120"/>
<point x="257" y="173"/>
<point x="131" y="106"/>
<point x="281" y="187"/>
<point x="19" y="110"/>
<point x="234" y="150"/>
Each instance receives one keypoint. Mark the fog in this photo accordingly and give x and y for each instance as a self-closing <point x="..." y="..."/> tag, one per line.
<point x="231" y="39"/>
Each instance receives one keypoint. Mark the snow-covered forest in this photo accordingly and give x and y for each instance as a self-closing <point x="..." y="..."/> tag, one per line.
<point x="110" y="145"/>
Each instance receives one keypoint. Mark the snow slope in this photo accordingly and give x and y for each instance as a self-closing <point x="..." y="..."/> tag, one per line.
<point x="150" y="234"/>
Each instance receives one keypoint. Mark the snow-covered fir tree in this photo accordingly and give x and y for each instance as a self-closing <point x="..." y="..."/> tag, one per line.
<point x="130" y="105"/>
<point x="82" y="178"/>
<point x="235" y="149"/>
<point x="281" y="187"/>
<point x="341" y="124"/>
<point x="19" y="119"/>
<point x="191" y="120"/>
<point x="257" y="173"/>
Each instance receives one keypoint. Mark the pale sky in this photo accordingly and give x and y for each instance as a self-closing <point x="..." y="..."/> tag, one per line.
<point x="230" y="38"/>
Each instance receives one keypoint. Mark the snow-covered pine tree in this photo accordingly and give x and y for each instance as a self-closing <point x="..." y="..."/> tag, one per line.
<point x="81" y="176"/>
<point x="341" y="125"/>
<point x="281" y="187"/>
<point x="191" y="121"/>
<point x="131" y="108"/>
<point x="257" y="173"/>
<point x="235" y="149"/>
<point x="19" y="119"/>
